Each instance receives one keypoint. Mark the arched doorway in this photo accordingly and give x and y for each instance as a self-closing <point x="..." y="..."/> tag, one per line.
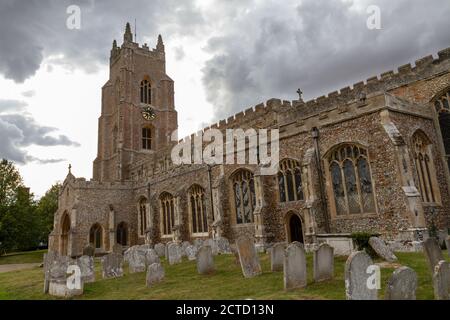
<point x="122" y="234"/>
<point x="295" y="229"/>
<point x="65" y="229"/>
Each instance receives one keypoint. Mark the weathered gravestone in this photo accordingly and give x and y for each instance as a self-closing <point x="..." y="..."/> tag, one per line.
<point x="294" y="266"/>
<point x="184" y="245"/>
<point x="432" y="252"/>
<point x="151" y="257"/>
<point x="48" y="260"/>
<point x="191" y="252"/>
<point x="160" y="249"/>
<point x="155" y="274"/>
<point x="174" y="253"/>
<point x="213" y="244"/>
<point x="441" y="281"/>
<point x="402" y="285"/>
<point x="117" y="248"/>
<point x="86" y="264"/>
<point x="277" y="256"/>
<point x="205" y="260"/>
<point x="112" y="266"/>
<point x="447" y="244"/>
<point x="248" y="257"/>
<point x="382" y="249"/>
<point x="136" y="259"/>
<point x="323" y="263"/>
<point x="89" y="251"/>
<point x="356" y="277"/>
<point x="60" y="284"/>
<point x="198" y="243"/>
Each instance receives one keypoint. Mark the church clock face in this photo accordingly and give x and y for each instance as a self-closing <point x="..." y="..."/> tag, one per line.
<point x="148" y="113"/>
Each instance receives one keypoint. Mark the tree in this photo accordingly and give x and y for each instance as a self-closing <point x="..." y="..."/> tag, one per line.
<point x="46" y="209"/>
<point x="10" y="181"/>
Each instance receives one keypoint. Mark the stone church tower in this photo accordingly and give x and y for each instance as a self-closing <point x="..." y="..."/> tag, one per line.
<point x="138" y="114"/>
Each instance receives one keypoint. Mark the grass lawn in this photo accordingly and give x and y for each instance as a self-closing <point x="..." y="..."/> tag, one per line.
<point x="23" y="257"/>
<point x="183" y="282"/>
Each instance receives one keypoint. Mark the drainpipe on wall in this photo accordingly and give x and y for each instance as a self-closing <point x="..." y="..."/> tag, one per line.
<point x="315" y="136"/>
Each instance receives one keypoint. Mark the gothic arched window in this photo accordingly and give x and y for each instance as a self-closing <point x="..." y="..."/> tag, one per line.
<point x="244" y="196"/>
<point x="290" y="181"/>
<point x="167" y="205"/>
<point x="146" y="138"/>
<point x="146" y="92"/>
<point x="95" y="236"/>
<point x="351" y="180"/>
<point x="442" y="104"/>
<point x="122" y="234"/>
<point x="142" y="216"/>
<point x="424" y="167"/>
<point x="197" y="208"/>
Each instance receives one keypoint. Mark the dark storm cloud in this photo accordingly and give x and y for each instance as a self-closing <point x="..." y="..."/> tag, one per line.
<point x="18" y="131"/>
<point x="320" y="46"/>
<point x="31" y="30"/>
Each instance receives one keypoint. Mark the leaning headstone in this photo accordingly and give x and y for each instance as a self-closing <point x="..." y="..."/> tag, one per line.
<point x="191" y="252"/>
<point x="86" y="264"/>
<point x="277" y="256"/>
<point x="441" y="281"/>
<point x="112" y="266"/>
<point x="155" y="274"/>
<point x="402" y="285"/>
<point x="356" y="277"/>
<point x="160" y="249"/>
<point x="174" y="253"/>
<point x="382" y="249"/>
<point x="432" y="252"/>
<point x="323" y="263"/>
<point x="294" y="266"/>
<point x="136" y="261"/>
<point x="205" y="260"/>
<point x="248" y="257"/>
<point x="447" y="244"/>
<point x="89" y="251"/>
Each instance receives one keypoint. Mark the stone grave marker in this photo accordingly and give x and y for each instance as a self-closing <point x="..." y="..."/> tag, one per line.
<point x="112" y="265"/>
<point x="294" y="266"/>
<point x="432" y="252"/>
<point x="155" y="274"/>
<point x="205" y="260"/>
<point x="441" y="281"/>
<point x="323" y="263"/>
<point x="356" y="277"/>
<point x="174" y="253"/>
<point x="248" y="257"/>
<point x="89" y="251"/>
<point x="191" y="252"/>
<point x="277" y="256"/>
<point x="86" y="264"/>
<point x="160" y="249"/>
<point x="402" y="285"/>
<point x="382" y="249"/>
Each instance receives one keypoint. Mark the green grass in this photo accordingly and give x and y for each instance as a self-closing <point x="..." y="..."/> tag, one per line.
<point x="23" y="257"/>
<point x="183" y="282"/>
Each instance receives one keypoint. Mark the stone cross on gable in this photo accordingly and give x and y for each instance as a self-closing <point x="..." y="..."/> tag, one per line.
<point x="70" y="168"/>
<point x="300" y="93"/>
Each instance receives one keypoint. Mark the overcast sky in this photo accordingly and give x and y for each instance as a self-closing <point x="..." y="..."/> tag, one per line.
<point x="224" y="56"/>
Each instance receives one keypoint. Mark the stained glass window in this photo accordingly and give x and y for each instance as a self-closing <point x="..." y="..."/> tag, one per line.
<point x="425" y="174"/>
<point x="290" y="181"/>
<point x="244" y="196"/>
<point x="167" y="203"/>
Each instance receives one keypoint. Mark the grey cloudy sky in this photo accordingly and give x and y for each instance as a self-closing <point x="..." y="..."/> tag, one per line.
<point x="247" y="51"/>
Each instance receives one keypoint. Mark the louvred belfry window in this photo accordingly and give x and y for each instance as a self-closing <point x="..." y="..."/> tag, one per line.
<point x="146" y="92"/>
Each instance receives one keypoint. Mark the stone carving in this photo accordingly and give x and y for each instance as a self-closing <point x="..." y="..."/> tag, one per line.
<point x="402" y="285"/>
<point x="441" y="281"/>
<point x="294" y="266"/>
<point x="356" y="277"/>
<point x="112" y="265"/>
<point x="382" y="249"/>
<point x="432" y="252"/>
<point x="174" y="253"/>
<point x="248" y="257"/>
<point x="277" y="256"/>
<point x="155" y="274"/>
<point x="323" y="263"/>
<point x="205" y="260"/>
